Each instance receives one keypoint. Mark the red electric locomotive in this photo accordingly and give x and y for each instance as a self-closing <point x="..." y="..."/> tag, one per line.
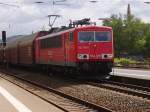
<point x="87" y="49"/>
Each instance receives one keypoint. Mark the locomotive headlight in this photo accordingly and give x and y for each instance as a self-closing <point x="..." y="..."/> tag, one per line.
<point x="110" y="55"/>
<point x="83" y="56"/>
<point x="107" y="56"/>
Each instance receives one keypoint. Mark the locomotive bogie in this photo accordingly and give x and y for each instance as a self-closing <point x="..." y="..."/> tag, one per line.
<point x="95" y="67"/>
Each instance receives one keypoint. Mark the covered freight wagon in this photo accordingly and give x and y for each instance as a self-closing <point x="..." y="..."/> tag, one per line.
<point x="21" y="50"/>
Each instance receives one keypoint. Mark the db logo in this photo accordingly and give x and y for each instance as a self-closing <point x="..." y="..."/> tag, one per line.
<point x="94" y="56"/>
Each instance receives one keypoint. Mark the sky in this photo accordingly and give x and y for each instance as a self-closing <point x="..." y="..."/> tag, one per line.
<point x="19" y="17"/>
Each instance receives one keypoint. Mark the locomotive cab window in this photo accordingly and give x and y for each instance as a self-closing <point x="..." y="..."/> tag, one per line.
<point x="95" y="36"/>
<point x="86" y="36"/>
<point x="102" y="36"/>
<point x="71" y="36"/>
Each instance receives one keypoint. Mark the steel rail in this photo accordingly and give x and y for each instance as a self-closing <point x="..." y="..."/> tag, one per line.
<point x="128" y="85"/>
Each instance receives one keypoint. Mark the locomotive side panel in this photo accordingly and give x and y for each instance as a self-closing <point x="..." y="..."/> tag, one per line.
<point x="37" y="46"/>
<point x="52" y="50"/>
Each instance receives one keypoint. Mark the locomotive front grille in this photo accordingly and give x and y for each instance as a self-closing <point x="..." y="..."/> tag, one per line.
<point x="83" y="56"/>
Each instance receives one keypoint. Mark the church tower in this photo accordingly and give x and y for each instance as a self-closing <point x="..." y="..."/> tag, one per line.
<point x="129" y="12"/>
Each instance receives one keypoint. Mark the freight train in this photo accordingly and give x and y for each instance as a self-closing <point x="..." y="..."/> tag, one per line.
<point x="83" y="49"/>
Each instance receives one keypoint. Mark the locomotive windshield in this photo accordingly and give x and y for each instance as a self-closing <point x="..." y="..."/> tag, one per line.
<point x="102" y="36"/>
<point x="86" y="36"/>
<point x="94" y="36"/>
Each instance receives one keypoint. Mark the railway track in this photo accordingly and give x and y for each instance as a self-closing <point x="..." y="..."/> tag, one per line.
<point x="130" y="89"/>
<point x="81" y="105"/>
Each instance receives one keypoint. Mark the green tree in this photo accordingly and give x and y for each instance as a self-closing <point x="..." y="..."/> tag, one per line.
<point x="131" y="35"/>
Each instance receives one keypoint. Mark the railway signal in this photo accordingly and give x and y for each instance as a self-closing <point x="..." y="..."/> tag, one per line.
<point x="4" y="38"/>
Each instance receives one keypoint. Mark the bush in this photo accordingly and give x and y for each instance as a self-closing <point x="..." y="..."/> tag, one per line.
<point x="124" y="61"/>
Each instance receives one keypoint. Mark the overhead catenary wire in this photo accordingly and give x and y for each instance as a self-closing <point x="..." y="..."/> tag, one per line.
<point x="12" y="5"/>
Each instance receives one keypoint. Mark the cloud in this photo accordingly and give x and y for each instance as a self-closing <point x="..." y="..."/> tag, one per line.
<point x="32" y="17"/>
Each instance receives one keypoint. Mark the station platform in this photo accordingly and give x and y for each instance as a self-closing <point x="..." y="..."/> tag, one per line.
<point x="131" y="73"/>
<point x="16" y="99"/>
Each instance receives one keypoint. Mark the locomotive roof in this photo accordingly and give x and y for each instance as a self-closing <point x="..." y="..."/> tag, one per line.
<point x="72" y="29"/>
